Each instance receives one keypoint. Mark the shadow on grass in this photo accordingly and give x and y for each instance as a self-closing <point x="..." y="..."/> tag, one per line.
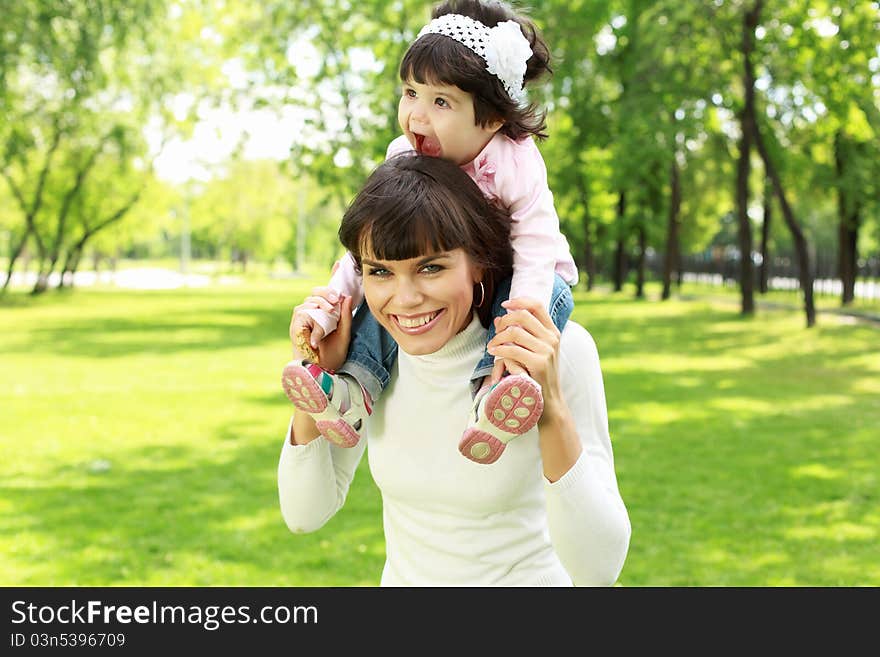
<point x="161" y="323"/>
<point x="740" y="464"/>
<point x="212" y="522"/>
<point x="759" y="466"/>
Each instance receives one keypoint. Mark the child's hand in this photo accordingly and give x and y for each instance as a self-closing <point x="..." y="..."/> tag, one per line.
<point x="505" y="365"/>
<point x="307" y="336"/>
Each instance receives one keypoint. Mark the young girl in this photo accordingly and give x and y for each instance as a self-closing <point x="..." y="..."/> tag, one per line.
<point x="463" y="99"/>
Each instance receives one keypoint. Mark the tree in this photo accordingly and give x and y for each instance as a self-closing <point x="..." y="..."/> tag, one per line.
<point x="81" y="82"/>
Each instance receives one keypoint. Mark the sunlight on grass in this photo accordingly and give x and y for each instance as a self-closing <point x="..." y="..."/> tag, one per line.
<point x="141" y="434"/>
<point x="818" y="471"/>
<point x="839" y="532"/>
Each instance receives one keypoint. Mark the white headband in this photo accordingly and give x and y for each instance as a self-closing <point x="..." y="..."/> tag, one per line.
<point x="503" y="47"/>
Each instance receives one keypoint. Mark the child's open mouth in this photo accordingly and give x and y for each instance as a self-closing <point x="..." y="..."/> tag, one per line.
<point x="427" y="145"/>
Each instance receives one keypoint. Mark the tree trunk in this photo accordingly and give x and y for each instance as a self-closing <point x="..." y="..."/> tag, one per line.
<point x="751" y="124"/>
<point x="42" y="283"/>
<point x="30" y="211"/>
<point x="71" y="264"/>
<point x="586" y="223"/>
<point x="589" y="263"/>
<point x="640" y="270"/>
<point x="764" y="269"/>
<point x="849" y="243"/>
<point x="74" y="253"/>
<point x="670" y="261"/>
<point x="848" y="213"/>
<point x="743" y="169"/>
<point x="16" y="252"/>
<point x="620" y="252"/>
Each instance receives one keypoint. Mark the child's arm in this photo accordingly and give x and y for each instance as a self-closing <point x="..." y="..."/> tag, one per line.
<point x="539" y="248"/>
<point x="345" y="281"/>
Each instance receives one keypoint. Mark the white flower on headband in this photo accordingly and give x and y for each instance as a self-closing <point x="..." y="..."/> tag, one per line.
<point x="504" y="48"/>
<point x="506" y="55"/>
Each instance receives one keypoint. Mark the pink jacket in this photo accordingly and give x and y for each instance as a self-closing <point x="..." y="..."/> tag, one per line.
<point x="513" y="174"/>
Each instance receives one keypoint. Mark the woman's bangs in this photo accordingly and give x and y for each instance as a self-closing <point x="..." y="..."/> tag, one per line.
<point x="417" y="224"/>
<point x="413" y="236"/>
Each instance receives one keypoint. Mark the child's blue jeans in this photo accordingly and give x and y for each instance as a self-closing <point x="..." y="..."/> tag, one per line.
<point x="372" y="351"/>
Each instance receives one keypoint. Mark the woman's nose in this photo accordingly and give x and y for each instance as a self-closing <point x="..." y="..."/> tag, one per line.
<point x="408" y="295"/>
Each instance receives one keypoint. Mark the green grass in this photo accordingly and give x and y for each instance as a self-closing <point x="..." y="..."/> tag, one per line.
<point x="823" y="301"/>
<point x="141" y="434"/>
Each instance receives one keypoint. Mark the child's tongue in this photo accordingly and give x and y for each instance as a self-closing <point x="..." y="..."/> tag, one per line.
<point x="429" y="146"/>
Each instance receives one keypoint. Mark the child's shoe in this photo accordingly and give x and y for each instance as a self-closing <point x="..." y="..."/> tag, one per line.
<point x="508" y="409"/>
<point x="337" y="402"/>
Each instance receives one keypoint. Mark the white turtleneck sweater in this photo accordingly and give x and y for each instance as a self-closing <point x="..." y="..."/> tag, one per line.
<point x="451" y="522"/>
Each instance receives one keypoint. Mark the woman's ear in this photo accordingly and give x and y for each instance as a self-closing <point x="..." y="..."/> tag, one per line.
<point x="477" y="273"/>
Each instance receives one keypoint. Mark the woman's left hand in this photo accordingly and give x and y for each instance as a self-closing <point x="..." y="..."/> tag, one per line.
<point x="527" y="337"/>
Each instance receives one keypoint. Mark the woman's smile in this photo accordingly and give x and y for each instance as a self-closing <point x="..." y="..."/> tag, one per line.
<point x="423" y="301"/>
<point x="417" y="324"/>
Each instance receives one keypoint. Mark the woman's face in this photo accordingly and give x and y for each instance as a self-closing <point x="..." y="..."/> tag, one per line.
<point x="423" y="301"/>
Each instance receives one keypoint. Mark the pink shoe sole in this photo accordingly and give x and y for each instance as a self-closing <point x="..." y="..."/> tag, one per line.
<point x="511" y="408"/>
<point x="480" y="447"/>
<point x="307" y="396"/>
<point x="339" y="432"/>
<point x="302" y="390"/>
<point x="514" y="405"/>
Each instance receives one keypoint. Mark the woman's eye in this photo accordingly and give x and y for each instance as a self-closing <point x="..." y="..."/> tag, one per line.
<point x="378" y="271"/>
<point x="432" y="269"/>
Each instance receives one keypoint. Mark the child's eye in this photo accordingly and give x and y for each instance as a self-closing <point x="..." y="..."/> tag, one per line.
<point x="441" y="102"/>
<point x="409" y="93"/>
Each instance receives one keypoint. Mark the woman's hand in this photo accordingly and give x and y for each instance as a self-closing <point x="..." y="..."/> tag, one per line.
<point x="331" y="349"/>
<point x="526" y="338"/>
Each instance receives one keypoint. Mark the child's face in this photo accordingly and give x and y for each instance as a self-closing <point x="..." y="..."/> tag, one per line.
<point x="438" y="120"/>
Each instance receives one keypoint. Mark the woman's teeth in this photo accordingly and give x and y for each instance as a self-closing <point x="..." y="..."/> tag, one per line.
<point x="415" y="322"/>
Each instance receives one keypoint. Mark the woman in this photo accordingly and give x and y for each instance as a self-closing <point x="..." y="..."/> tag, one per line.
<point x="431" y="250"/>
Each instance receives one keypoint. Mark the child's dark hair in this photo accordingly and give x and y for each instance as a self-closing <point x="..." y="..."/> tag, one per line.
<point x="435" y="58"/>
<point x="414" y="205"/>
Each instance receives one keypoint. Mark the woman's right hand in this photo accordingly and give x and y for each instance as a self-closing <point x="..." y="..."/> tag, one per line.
<point x="331" y="349"/>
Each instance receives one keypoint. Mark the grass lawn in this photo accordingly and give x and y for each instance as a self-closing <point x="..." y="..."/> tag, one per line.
<point x="141" y="433"/>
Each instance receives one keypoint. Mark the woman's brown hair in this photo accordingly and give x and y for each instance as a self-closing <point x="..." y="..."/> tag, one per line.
<point x="434" y="58"/>
<point x="414" y="205"/>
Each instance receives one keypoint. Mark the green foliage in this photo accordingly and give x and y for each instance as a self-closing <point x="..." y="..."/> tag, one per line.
<point x="253" y="212"/>
<point x="636" y="85"/>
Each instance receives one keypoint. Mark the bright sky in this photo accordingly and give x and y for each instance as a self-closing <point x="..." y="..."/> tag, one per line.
<point x="266" y="133"/>
<point x="267" y="136"/>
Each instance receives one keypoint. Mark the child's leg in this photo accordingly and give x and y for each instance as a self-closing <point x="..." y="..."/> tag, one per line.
<point x="371" y="354"/>
<point x="341" y="401"/>
<point x="515" y="404"/>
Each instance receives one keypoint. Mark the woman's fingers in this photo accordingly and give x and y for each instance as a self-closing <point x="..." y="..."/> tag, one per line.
<point x="526" y="338"/>
<point x="315" y="335"/>
<point x="516" y="357"/>
<point x="533" y="307"/>
<point x="525" y="320"/>
<point x="515" y="368"/>
<point x="520" y="335"/>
